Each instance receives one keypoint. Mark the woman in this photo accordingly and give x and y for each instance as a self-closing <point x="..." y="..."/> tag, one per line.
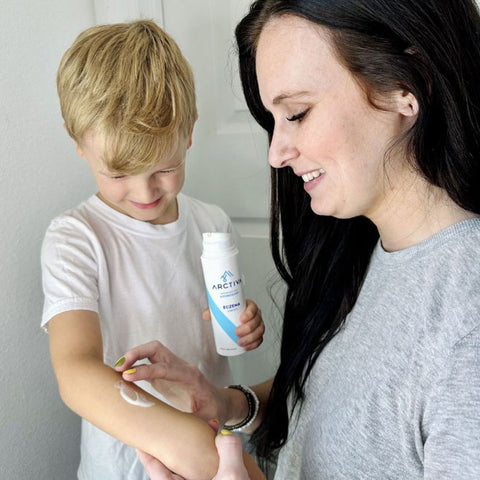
<point x="372" y="111"/>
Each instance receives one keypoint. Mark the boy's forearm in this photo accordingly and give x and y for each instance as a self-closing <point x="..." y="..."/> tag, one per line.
<point x="184" y="443"/>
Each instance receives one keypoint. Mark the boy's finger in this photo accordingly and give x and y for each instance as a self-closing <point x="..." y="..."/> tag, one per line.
<point x="254" y="327"/>
<point x="256" y="337"/>
<point x="206" y="315"/>
<point x="251" y="311"/>
<point x="250" y="344"/>
<point x="253" y="345"/>
<point x="254" y="322"/>
<point x="251" y="306"/>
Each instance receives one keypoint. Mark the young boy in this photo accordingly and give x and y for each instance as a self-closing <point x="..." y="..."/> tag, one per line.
<point x="123" y="268"/>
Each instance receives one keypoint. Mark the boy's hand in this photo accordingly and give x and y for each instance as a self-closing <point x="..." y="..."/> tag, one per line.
<point x="250" y="333"/>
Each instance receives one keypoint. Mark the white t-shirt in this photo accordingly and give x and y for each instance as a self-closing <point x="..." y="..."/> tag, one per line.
<point x="145" y="282"/>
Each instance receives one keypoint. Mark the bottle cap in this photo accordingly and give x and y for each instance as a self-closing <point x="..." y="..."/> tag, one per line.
<point x="218" y="243"/>
<point x="218" y="238"/>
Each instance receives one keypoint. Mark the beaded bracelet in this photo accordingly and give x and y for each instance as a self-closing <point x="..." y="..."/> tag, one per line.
<point x="253" y="407"/>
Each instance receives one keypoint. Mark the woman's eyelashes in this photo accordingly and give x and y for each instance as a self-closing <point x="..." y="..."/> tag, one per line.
<point x="298" y="117"/>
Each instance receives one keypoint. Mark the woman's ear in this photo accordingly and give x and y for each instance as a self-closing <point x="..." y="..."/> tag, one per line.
<point x="407" y="103"/>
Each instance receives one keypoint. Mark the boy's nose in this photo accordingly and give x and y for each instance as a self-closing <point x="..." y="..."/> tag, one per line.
<point x="281" y="151"/>
<point x="145" y="192"/>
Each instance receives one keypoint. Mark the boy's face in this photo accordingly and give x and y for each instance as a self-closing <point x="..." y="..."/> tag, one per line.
<point x="149" y="196"/>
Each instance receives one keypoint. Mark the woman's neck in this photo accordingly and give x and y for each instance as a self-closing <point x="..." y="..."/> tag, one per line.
<point x="414" y="214"/>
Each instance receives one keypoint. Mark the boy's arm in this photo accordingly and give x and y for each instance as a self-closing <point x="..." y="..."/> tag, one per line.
<point x="185" y="386"/>
<point x="184" y="443"/>
<point x="231" y="462"/>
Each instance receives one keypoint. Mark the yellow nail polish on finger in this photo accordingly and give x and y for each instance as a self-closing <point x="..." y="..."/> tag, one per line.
<point x="129" y="372"/>
<point x="226" y="432"/>
<point x="120" y="362"/>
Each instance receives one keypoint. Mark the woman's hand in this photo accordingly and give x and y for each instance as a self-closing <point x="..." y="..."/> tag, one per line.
<point x="155" y="469"/>
<point x="182" y="384"/>
<point x="231" y="465"/>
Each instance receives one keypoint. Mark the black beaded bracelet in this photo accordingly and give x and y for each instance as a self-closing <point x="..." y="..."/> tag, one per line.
<point x="253" y="407"/>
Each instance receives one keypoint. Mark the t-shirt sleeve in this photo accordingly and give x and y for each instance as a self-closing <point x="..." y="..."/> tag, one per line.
<point x="452" y="416"/>
<point x="69" y="269"/>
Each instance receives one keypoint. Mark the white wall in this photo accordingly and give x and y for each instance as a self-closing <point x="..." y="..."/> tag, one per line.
<point x="40" y="177"/>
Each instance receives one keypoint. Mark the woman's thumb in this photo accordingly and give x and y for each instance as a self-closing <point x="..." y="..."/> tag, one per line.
<point x="230" y="452"/>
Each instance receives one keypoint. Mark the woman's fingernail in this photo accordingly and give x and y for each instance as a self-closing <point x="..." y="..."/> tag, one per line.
<point x="226" y="432"/>
<point x="216" y="421"/>
<point x="129" y="372"/>
<point x="120" y="362"/>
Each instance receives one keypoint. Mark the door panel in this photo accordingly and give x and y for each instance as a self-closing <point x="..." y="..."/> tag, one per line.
<point x="227" y="164"/>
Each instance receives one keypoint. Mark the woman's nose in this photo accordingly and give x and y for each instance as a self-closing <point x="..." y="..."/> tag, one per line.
<point x="281" y="150"/>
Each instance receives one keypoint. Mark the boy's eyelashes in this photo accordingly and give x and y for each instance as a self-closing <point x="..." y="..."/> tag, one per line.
<point x="165" y="172"/>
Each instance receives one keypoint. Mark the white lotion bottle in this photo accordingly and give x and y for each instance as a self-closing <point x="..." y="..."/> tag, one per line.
<point x="224" y="285"/>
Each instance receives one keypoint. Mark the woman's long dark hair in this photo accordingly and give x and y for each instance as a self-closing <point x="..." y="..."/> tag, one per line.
<point x="430" y="48"/>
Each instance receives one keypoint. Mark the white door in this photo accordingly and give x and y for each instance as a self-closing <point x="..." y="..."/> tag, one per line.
<point x="227" y="164"/>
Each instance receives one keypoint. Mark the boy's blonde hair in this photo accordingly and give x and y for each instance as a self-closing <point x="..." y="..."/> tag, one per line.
<point x="130" y="83"/>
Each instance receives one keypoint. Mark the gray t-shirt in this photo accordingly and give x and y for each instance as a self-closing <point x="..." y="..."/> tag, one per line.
<point x="396" y="393"/>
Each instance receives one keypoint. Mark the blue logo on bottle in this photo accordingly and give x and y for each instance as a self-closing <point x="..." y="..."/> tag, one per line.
<point x="228" y="281"/>
<point x="226" y="274"/>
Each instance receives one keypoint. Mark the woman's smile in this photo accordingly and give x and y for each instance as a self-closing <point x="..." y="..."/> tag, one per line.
<point x="312" y="179"/>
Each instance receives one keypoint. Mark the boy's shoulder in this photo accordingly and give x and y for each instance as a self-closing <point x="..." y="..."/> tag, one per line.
<point x="76" y="221"/>
<point x="79" y="213"/>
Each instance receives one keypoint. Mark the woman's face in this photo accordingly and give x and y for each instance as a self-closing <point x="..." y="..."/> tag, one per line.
<point x="325" y="128"/>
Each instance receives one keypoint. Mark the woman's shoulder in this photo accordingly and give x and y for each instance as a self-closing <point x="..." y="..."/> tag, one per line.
<point x="434" y="286"/>
<point x="452" y="284"/>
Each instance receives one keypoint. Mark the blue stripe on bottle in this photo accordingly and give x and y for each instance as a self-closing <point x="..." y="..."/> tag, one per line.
<point x="226" y="324"/>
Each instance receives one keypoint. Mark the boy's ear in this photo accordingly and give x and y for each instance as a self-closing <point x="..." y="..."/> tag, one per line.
<point x="190" y="139"/>
<point x="77" y="146"/>
<point x="79" y="150"/>
<point x="407" y="103"/>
